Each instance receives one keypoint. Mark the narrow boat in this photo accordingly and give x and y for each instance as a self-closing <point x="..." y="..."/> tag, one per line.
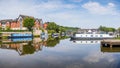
<point x="79" y="36"/>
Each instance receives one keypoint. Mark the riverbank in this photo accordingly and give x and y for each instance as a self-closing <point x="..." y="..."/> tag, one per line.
<point x="117" y="38"/>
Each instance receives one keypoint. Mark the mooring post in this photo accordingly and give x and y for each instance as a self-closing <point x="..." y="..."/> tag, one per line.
<point x="110" y="44"/>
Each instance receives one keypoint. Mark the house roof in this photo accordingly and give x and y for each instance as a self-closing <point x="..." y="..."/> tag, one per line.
<point x="39" y="20"/>
<point x="24" y="16"/>
<point x="6" y="20"/>
<point x="14" y="20"/>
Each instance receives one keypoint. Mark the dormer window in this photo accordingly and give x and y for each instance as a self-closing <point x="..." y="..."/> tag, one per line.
<point x="37" y="21"/>
<point x="7" y="22"/>
<point x="20" y="19"/>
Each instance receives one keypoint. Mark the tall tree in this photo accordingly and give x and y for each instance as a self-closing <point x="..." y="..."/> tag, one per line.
<point x="53" y="26"/>
<point x="29" y="23"/>
<point x="119" y="30"/>
<point x="106" y="29"/>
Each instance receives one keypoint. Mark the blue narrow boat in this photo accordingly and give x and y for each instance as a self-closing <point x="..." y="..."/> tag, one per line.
<point x="21" y="39"/>
<point x="20" y="35"/>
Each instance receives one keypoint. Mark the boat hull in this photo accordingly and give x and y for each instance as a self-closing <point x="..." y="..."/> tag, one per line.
<point x="93" y="38"/>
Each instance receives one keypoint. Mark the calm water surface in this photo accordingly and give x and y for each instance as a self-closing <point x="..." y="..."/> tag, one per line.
<point x="58" y="54"/>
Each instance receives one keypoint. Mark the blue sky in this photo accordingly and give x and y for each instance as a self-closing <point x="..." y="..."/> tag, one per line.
<point x="75" y="13"/>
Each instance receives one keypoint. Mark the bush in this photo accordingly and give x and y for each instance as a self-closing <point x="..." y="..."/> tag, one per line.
<point x="8" y="28"/>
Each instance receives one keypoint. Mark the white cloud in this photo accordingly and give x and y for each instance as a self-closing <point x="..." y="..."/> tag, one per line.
<point x="96" y="8"/>
<point x="13" y="8"/>
<point x="76" y="0"/>
<point x="67" y="14"/>
<point x="95" y="57"/>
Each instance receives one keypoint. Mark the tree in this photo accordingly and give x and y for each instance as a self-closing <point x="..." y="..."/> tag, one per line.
<point x="106" y="29"/>
<point x="119" y="30"/>
<point x="53" y="26"/>
<point x="29" y="23"/>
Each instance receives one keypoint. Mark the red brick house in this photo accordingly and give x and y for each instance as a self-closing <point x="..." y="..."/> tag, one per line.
<point x="45" y="25"/>
<point x="17" y="24"/>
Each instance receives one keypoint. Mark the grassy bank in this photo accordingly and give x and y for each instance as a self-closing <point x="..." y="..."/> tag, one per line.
<point x="14" y="31"/>
<point x="117" y="38"/>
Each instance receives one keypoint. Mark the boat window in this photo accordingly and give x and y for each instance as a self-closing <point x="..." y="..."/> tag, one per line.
<point x="91" y="35"/>
<point x="96" y="35"/>
<point x="91" y="41"/>
<point x="101" y="36"/>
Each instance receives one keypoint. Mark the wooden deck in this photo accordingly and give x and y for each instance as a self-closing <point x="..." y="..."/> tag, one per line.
<point x="111" y="42"/>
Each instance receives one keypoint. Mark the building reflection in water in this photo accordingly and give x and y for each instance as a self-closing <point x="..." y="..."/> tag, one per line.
<point x="107" y="48"/>
<point x="87" y="41"/>
<point x="28" y="47"/>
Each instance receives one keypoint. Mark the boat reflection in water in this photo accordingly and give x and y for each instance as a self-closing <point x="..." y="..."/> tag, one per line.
<point x="107" y="48"/>
<point x="87" y="41"/>
<point x="26" y="46"/>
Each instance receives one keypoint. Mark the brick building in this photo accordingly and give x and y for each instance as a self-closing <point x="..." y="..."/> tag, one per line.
<point x="17" y="24"/>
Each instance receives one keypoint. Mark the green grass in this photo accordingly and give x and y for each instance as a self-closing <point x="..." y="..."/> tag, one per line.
<point x="117" y="38"/>
<point x="13" y="30"/>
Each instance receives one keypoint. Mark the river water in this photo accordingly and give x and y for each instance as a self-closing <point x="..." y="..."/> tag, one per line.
<point x="58" y="53"/>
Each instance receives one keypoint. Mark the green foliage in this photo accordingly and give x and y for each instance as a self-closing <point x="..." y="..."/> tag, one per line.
<point x="8" y="28"/>
<point x="0" y="28"/>
<point x="28" y="49"/>
<point x="52" y="42"/>
<point x="107" y="29"/>
<point x="57" y="28"/>
<point x="29" y="23"/>
<point x="42" y="29"/>
<point x="51" y="31"/>
<point x="119" y="30"/>
<point x="53" y="26"/>
<point x="13" y="30"/>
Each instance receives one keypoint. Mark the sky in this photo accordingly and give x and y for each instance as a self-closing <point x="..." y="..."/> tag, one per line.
<point x="73" y="13"/>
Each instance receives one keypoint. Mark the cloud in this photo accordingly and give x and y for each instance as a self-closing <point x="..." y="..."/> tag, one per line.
<point x="63" y="12"/>
<point x="97" y="8"/>
<point x="76" y="0"/>
<point x="95" y="57"/>
<point x="13" y="8"/>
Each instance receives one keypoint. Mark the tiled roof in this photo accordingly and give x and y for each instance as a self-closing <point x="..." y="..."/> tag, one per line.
<point x="14" y="20"/>
<point x="6" y="20"/>
<point x="24" y="16"/>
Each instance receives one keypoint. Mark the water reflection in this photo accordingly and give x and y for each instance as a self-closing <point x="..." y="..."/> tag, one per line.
<point x="60" y="54"/>
<point x="109" y="49"/>
<point x="28" y="46"/>
<point x="87" y="41"/>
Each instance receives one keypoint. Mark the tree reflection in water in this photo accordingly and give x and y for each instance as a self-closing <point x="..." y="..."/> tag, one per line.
<point x="53" y="42"/>
<point x="30" y="47"/>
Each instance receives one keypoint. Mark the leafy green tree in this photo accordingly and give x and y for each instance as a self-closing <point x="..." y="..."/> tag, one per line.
<point x="29" y="23"/>
<point x="107" y="29"/>
<point x="0" y="28"/>
<point x="119" y="30"/>
<point x="8" y="28"/>
<point x="53" y="26"/>
<point x="28" y="49"/>
<point x="52" y="43"/>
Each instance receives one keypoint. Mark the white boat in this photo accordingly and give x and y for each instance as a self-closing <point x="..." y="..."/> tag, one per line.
<point x="92" y="36"/>
<point x="87" y="41"/>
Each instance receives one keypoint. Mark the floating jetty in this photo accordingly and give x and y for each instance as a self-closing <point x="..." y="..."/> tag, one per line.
<point x="110" y="42"/>
<point x="110" y="50"/>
